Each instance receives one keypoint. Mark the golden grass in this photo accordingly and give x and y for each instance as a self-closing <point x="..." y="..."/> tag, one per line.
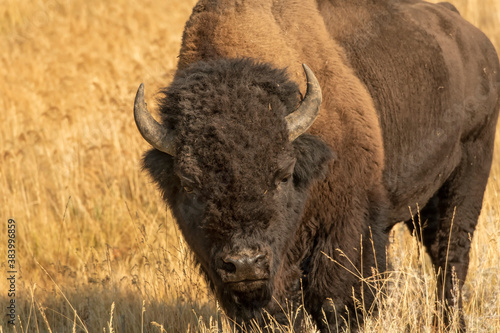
<point x="95" y="248"/>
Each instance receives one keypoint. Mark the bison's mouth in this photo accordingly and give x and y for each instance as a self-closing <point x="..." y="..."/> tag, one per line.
<point x="245" y="299"/>
<point x="247" y="285"/>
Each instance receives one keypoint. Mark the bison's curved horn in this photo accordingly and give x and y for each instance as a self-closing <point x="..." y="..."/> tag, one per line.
<point x="149" y="128"/>
<point x="301" y="119"/>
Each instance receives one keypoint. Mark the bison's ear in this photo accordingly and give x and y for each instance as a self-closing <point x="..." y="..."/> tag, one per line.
<point x="313" y="157"/>
<point x="160" y="167"/>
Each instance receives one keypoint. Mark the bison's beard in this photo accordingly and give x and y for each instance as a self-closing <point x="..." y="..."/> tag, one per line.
<point x="246" y="300"/>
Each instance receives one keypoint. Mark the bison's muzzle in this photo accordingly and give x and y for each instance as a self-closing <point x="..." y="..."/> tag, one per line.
<point x="236" y="270"/>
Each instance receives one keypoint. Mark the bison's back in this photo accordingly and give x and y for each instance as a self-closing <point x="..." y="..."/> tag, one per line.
<point x="433" y="78"/>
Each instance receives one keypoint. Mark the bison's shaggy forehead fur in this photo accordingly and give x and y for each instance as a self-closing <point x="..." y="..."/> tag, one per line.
<point x="229" y="119"/>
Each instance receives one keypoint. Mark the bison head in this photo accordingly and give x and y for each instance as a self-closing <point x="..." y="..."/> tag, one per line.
<point x="234" y="167"/>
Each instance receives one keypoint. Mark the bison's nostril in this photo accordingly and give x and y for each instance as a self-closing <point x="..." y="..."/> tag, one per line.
<point x="228" y="266"/>
<point x="237" y="264"/>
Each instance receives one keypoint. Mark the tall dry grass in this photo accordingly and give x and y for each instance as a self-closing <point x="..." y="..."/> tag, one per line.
<point x="95" y="248"/>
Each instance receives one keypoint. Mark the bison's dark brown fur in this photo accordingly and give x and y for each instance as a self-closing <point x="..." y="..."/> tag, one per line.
<point x="410" y="104"/>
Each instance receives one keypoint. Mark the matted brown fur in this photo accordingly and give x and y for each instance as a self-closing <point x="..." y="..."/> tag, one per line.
<point x="410" y="103"/>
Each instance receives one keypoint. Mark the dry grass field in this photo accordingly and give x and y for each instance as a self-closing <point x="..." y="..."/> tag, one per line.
<point x="95" y="248"/>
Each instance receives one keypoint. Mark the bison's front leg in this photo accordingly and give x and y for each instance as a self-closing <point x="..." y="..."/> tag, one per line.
<point x="343" y="282"/>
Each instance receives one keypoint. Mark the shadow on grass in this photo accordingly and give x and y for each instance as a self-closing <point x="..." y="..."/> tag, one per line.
<point x="96" y="309"/>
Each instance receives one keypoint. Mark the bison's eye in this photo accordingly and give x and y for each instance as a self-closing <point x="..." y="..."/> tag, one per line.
<point x="284" y="174"/>
<point x="188" y="184"/>
<point x="188" y="189"/>
<point x="286" y="178"/>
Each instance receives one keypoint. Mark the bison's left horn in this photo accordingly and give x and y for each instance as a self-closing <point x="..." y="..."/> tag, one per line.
<point x="149" y="128"/>
<point x="301" y="119"/>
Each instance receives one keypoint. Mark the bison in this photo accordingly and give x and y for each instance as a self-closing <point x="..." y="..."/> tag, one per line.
<point x="282" y="178"/>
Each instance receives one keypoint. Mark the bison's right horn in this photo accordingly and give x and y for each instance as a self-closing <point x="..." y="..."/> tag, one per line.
<point x="301" y="119"/>
<point x="149" y="128"/>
